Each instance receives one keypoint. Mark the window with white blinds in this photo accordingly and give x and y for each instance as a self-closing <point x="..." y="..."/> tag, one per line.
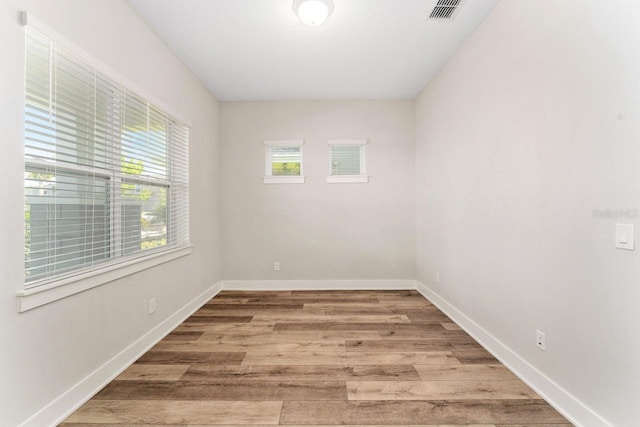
<point x="283" y="162"/>
<point x="106" y="172"/>
<point x="347" y="160"/>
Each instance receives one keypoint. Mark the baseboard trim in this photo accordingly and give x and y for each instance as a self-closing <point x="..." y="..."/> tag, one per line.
<point x="65" y="404"/>
<point x="317" y="285"/>
<point x="563" y="401"/>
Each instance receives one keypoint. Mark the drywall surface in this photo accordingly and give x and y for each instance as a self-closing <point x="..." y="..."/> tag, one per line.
<point x="47" y="350"/>
<point x="318" y="230"/>
<point x="524" y="140"/>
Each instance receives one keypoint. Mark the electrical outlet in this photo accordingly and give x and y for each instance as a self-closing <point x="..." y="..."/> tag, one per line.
<point x="541" y="341"/>
<point x="152" y="305"/>
<point x="276" y="266"/>
<point x="437" y="277"/>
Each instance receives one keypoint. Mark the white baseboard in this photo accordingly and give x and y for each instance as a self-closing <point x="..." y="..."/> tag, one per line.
<point x="318" y="285"/>
<point x="65" y="404"/>
<point x="563" y="401"/>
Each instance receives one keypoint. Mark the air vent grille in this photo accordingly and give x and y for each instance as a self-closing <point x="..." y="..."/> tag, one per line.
<point x="445" y="9"/>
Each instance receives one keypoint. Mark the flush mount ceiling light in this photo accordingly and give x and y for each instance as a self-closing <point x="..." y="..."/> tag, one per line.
<point x="313" y="12"/>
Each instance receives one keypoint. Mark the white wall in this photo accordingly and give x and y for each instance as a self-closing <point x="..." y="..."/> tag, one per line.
<point x="318" y="230"/>
<point x="45" y="351"/>
<point x="533" y="124"/>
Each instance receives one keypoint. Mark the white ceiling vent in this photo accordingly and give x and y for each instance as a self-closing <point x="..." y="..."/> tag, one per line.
<point x="445" y="9"/>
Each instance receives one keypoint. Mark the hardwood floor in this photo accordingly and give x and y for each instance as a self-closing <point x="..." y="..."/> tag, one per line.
<point x="317" y="358"/>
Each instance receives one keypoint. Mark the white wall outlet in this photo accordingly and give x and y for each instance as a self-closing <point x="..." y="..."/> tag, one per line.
<point x="152" y="305"/>
<point x="624" y="236"/>
<point x="276" y="266"/>
<point x="437" y="277"/>
<point x="541" y="341"/>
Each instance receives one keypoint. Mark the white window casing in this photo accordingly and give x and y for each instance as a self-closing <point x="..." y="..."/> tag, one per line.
<point x="106" y="176"/>
<point x="284" y="162"/>
<point x="347" y="161"/>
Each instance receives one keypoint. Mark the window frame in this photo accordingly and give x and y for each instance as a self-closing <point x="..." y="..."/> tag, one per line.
<point x="268" y="177"/>
<point x="362" y="177"/>
<point x="43" y="291"/>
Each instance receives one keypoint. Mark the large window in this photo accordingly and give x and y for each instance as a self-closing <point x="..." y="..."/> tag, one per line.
<point x="106" y="172"/>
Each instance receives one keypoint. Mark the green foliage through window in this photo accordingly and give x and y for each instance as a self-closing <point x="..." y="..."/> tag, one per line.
<point x="285" y="161"/>
<point x="285" y="168"/>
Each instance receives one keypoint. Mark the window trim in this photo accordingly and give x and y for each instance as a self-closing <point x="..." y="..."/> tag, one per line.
<point x="81" y="281"/>
<point x="283" y="179"/>
<point x="39" y="293"/>
<point x="349" y="179"/>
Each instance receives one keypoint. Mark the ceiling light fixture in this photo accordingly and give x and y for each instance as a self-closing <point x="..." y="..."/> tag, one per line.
<point x="313" y="12"/>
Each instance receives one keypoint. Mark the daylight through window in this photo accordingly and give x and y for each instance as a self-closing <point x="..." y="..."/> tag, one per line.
<point x="106" y="172"/>
<point x="283" y="162"/>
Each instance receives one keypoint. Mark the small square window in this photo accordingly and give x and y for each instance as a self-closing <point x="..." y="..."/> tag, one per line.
<point x="283" y="162"/>
<point x="347" y="161"/>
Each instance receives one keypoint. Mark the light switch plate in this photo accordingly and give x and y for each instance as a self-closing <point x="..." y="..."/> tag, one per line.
<point x="624" y="236"/>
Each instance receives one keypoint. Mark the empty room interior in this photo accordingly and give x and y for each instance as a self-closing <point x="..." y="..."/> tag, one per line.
<point x="320" y="212"/>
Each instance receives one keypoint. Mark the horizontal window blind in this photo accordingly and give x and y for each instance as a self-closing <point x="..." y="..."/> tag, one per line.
<point x="283" y="161"/>
<point x="347" y="159"/>
<point x="283" y="158"/>
<point x="106" y="173"/>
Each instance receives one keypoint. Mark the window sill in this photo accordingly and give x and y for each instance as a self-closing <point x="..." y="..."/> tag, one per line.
<point x="284" y="179"/>
<point x="346" y="179"/>
<point x="53" y="291"/>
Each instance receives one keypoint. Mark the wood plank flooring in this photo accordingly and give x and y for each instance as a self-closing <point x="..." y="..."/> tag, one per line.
<point x="317" y="359"/>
